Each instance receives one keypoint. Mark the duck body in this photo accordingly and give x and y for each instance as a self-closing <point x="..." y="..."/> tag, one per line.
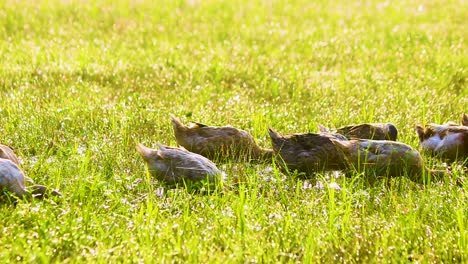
<point x="382" y="158"/>
<point x="174" y="165"/>
<point x="12" y="178"/>
<point x="375" y="131"/>
<point x="446" y="141"/>
<point x="308" y="153"/>
<point x="218" y="142"/>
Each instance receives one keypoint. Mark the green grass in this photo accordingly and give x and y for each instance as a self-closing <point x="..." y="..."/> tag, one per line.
<point x="82" y="82"/>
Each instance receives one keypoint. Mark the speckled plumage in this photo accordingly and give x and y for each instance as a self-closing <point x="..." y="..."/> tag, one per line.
<point x="308" y="153"/>
<point x="375" y="131"/>
<point x="445" y="141"/>
<point x="218" y="142"/>
<point x="385" y="158"/>
<point x="172" y="165"/>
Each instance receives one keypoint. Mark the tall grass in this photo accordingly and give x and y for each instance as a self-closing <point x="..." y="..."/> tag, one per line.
<point x="81" y="82"/>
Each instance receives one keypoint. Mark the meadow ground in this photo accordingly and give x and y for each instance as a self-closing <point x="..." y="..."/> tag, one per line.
<point x="81" y="82"/>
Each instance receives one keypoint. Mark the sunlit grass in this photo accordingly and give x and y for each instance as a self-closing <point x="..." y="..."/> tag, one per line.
<point x="81" y="82"/>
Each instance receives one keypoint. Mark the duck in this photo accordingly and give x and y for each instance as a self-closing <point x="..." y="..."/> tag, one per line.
<point x="12" y="179"/>
<point x="172" y="165"/>
<point x="7" y="152"/>
<point x="447" y="141"/>
<point x="308" y="153"/>
<point x="385" y="158"/>
<point x="219" y="142"/>
<point x="375" y="131"/>
<point x="464" y="120"/>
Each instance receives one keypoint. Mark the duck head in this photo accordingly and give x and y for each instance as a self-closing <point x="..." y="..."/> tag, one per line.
<point x="392" y="131"/>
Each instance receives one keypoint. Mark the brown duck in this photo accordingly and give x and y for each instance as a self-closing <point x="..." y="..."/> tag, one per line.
<point x="13" y="180"/>
<point x="464" y="120"/>
<point x="218" y="142"/>
<point x="174" y="165"/>
<point x="375" y="131"/>
<point x="308" y="153"/>
<point x="446" y="141"/>
<point x="385" y="158"/>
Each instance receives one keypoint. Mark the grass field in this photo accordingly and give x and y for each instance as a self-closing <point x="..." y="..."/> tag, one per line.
<point x="81" y="82"/>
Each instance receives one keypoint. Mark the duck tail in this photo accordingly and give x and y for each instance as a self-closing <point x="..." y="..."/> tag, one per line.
<point x="277" y="139"/>
<point x="162" y="147"/>
<point x="323" y="128"/>
<point x="177" y="124"/>
<point x="145" y="152"/>
<point x="273" y="133"/>
<point x="7" y="152"/>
